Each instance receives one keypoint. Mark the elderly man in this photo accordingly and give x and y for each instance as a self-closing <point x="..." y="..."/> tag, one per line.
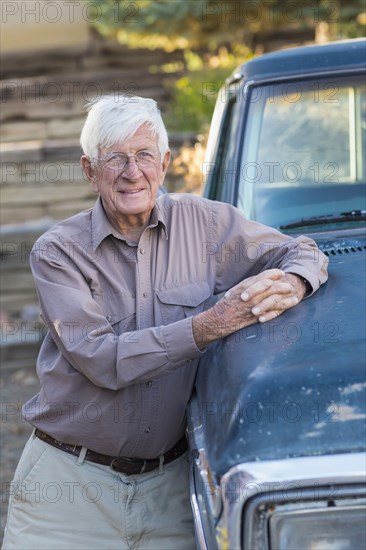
<point x="124" y="290"/>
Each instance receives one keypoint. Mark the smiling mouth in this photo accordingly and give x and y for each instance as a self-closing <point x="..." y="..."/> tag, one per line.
<point x="134" y="192"/>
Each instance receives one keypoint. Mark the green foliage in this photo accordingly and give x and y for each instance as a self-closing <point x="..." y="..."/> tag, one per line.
<point x="167" y="24"/>
<point x="172" y="24"/>
<point x="193" y="96"/>
<point x="190" y="110"/>
<point x="201" y="24"/>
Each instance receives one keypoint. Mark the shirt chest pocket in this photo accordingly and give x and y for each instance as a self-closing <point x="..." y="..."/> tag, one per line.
<point x="119" y="310"/>
<point x="182" y="301"/>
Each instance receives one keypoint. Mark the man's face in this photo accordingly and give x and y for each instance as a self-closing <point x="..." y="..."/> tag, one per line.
<point x="128" y="192"/>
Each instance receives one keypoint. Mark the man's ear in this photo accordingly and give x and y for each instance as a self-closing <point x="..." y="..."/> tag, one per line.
<point x="89" y="171"/>
<point x="164" y="164"/>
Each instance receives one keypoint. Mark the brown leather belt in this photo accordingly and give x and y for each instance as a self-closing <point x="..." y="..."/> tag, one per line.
<point x="129" y="466"/>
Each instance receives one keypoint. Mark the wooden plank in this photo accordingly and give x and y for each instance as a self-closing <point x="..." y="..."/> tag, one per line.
<point x="20" y="131"/>
<point x="33" y="62"/>
<point x="38" y="174"/>
<point x="137" y="56"/>
<point x="22" y="212"/>
<point x="54" y="88"/>
<point x="41" y="108"/>
<point x="42" y="129"/>
<point x="48" y="194"/>
<point x="18" y="152"/>
<point x="13" y="364"/>
<point x="40" y="150"/>
<point x="13" y="304"/>
<point x="62" y="149"/>
<point x="57" y="128"/>
<point x="65" y="59"/>
<point x="20" y="355"/>
<point x="62" y="211"/>
<point x="14" y="258"/>
<point x="19" y="213"/>
<point x="16" y="280"/>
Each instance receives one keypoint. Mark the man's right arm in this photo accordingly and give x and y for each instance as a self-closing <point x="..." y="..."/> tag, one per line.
<point x="82" y="334"/>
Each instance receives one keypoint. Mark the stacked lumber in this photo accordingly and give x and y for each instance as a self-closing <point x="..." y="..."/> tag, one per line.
<point x="43" y="96"/>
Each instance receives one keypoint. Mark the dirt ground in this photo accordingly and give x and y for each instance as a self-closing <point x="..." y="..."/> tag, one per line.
<point x="16" y="387"/>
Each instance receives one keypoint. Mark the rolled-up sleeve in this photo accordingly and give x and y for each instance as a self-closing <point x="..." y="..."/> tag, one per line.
<point x="243" y="248"/>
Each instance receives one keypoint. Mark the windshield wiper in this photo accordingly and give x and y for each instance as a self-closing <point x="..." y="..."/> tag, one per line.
<point x="353" y="215"/>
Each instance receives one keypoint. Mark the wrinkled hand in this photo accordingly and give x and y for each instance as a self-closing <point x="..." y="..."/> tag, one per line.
<point x="259" y="298"/>
<point x="267" y="294"/>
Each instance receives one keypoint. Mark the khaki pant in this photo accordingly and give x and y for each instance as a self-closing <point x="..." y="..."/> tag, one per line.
<point x="59" y="501"/>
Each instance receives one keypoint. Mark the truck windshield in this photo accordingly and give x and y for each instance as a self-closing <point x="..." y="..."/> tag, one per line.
<point x="304" y="150"/>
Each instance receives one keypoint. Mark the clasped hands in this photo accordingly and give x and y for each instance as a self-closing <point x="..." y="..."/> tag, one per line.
<point x="259" y="298"/>
<point x="266" y="295"/>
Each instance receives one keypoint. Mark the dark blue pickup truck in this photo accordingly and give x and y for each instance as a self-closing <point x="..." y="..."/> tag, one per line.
<point x="277" y="421"/>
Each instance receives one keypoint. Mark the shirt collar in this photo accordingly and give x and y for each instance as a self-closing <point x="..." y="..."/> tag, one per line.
<point x="158" y="219"/>
<point x="101" y="226"/>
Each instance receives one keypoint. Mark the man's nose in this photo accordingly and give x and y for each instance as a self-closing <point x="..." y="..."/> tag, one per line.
<point x="132" y="167"/>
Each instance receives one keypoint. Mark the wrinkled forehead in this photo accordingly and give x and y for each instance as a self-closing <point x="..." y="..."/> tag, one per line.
<point x="133" y="141"/>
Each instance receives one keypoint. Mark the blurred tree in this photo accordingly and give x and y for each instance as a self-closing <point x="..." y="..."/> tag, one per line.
<point x="172" y="24"/>
<point x="216" y="36"/>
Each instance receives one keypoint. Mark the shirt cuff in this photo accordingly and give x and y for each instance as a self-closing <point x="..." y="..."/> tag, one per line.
<point x="179" y="341"/>
<point x="306" y="278"/>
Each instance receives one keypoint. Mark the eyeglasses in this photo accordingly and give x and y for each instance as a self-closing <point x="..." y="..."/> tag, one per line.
<point x="118" y="161"/>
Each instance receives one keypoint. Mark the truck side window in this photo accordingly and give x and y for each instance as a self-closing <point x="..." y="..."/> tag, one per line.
<point x="225" y="168"/>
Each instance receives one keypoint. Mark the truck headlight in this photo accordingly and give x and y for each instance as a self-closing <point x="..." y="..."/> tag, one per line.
<point x="335" y="528"/>
<point x="273" y="522"/>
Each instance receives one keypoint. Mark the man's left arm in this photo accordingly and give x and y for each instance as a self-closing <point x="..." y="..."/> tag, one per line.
<point x="299" y="265"/>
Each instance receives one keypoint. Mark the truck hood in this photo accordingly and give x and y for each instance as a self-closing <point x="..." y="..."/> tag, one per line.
<point x="294" y="386"/>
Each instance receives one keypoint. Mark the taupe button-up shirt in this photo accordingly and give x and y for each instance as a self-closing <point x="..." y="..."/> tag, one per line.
<point x="118" y="364"/>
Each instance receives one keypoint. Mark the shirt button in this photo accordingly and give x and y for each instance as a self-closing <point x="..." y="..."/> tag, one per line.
<point x="144" y="294"/>
<point x="147" y="430"/>
<point x="149" y="384"/>
<point x="142" y="251"/>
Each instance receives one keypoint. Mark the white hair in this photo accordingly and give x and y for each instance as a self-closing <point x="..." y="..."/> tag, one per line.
<point x="115" y="118"/>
